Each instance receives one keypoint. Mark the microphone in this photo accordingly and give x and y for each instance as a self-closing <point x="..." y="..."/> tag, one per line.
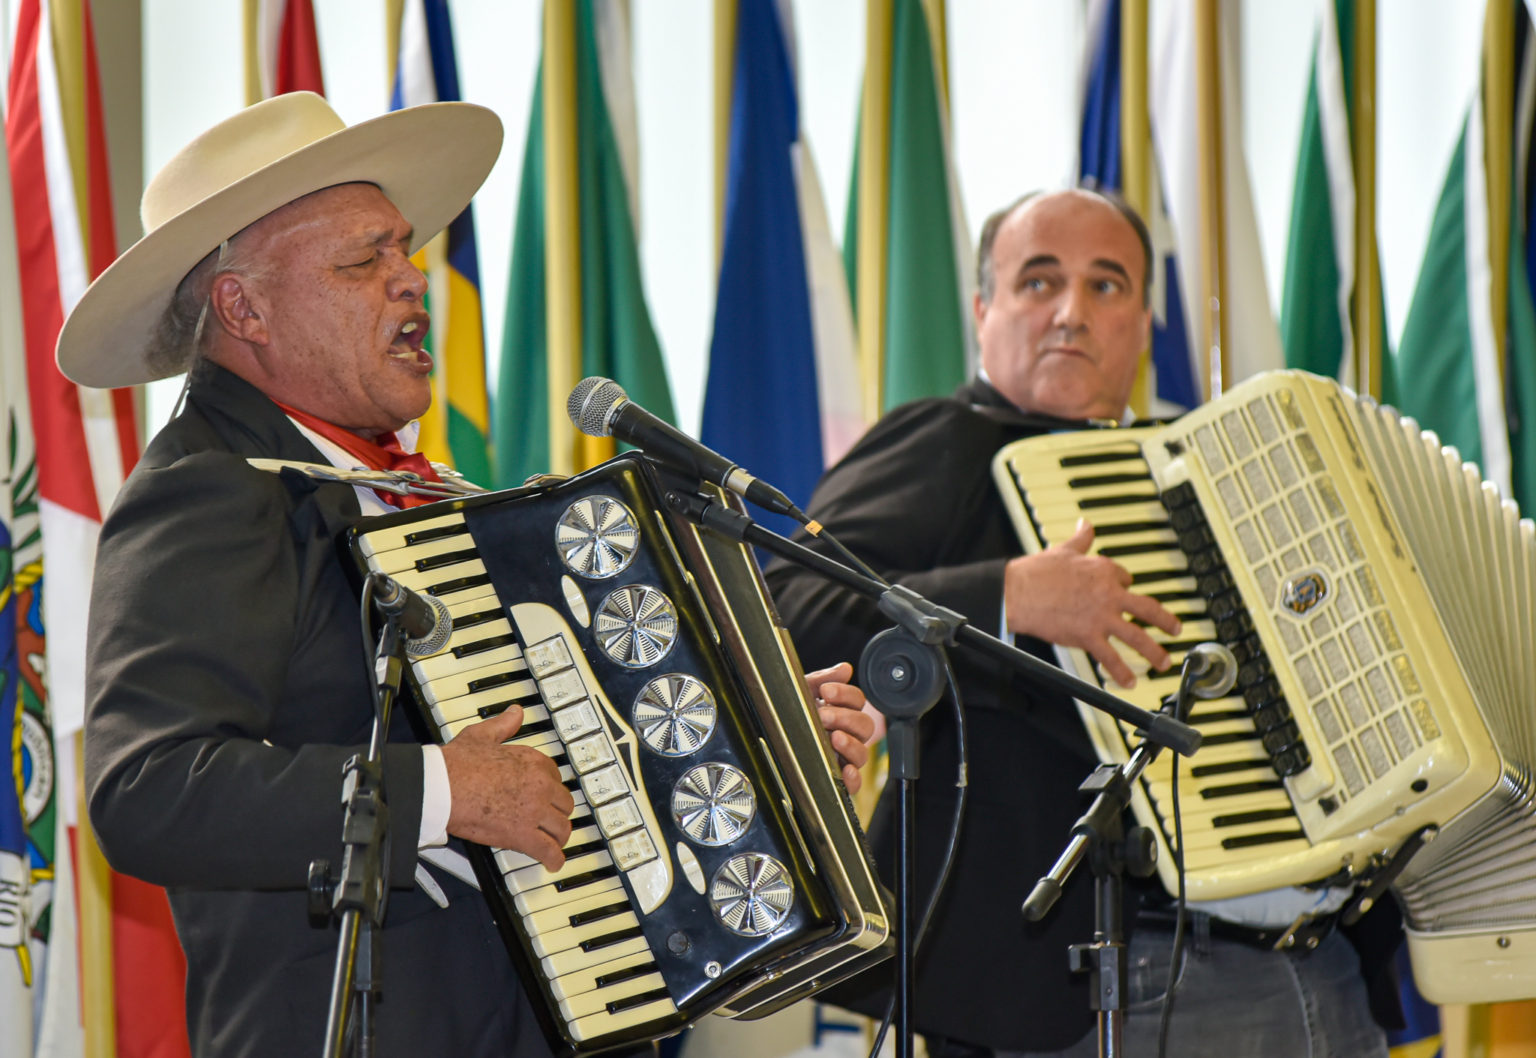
<point x="1211" y="670"/>
<point x="600" y="408"/>
<point x="422" y="619"/>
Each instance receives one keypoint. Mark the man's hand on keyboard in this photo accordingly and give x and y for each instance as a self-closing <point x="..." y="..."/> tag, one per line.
<point x="508" y="797"/>
<point x="1066" y="596"/>
<point x="847" y="718"/>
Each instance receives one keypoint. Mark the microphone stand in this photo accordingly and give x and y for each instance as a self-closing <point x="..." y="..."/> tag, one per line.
<point x="898" y="672"/>
<point x="1111" y="849"/>
<point x="359" y="897"/>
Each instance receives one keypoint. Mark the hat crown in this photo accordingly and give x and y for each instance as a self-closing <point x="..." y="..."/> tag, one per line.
<point x="234" y="149"/>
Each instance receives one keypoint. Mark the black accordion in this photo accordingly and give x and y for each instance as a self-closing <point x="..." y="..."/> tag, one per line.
<point x="715" y="862"/>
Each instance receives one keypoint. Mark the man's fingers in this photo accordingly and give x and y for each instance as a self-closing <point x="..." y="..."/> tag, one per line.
<point x="1110" y="660"/>
<point x="842" y="672"/>
<point x="852" y="778"/>
<point x="1152" y="612"/>
<point x="545" y="849"/>
<point x="498" y="728"/>
<point x="1136" y="637"/>
<point x="850" y="749"/>
<point x="855" y="722"/>
<point x="1082" y="537"/>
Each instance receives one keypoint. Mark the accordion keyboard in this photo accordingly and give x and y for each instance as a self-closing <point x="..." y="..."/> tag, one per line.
<point x="580" y="920"/>
<point x="1235" y="805"/>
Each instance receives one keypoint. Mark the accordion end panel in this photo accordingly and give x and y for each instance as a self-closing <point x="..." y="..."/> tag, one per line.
<point x="1474" y="966"/>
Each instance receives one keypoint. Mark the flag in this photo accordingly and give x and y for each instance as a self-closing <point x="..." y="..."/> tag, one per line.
<point x="1467" y="355"/>
<point x="1173" y="368"/>
<point x="282" y="49"/>
<point x="906" y="246"/>
<point x="782" y="394"/>
<point x="1252" y="338"/>
<point x="26" y="793"/>
<point x="457" y="427"/>
<point x="1316" y="321"/>
<point x="575" y="302"/>
<point x="85" y="441"/>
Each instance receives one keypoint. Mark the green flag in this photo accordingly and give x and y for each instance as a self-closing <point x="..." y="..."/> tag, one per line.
<point x="926" y="344"/>
<point x="616" y="337"/>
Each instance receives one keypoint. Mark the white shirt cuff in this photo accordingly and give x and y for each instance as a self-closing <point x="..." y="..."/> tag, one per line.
<point x="436" y="799"/>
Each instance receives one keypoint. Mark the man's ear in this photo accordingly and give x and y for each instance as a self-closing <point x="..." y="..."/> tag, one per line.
<point x="232" y="309"/>
<point x="978" y="309"/>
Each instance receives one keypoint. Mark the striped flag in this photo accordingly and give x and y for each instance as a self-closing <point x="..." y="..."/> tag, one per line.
<point x="1172" y="372"/>
<point x="1467" y="356"/>
<point x="124" y="995"/>
<point x="456" y="429"/>
<point x="907" y="247"/>
<point x="1315" y="324"/>
<point x="783" y="342"/>
<point x="27" y="812"/>
<point x="575" y="302"/>
<point x="282" y="49"/>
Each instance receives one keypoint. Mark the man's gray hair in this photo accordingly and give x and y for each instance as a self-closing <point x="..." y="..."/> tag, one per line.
<point x="181" y="331"/>
<point x="986" y="270"/>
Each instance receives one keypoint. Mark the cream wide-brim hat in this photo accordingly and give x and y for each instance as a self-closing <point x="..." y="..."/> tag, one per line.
<point x="428" y="160"/>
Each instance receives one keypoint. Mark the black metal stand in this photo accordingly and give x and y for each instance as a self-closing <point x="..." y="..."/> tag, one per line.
<point x="1112" y="850"/>
<point x="903" y="677"/>
<point x="359" y="896"/>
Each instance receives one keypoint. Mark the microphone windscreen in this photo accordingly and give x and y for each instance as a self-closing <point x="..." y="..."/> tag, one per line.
<point x="591" y="404"/>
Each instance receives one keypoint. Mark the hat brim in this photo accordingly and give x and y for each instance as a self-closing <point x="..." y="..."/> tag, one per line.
<point x="429" y="160"/>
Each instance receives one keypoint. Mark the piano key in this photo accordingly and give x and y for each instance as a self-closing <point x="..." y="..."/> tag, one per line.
<point x="487" y="703"/>
<point x="424" y="554"/>
<point x="598" y="1000"/>
<point x="448" y="582"/>
<point x="549" y="897"/>
<point x="445" y="662"/>
<point x="572" y="912"/>
<point x="628" y="1019"/>
<point x="538" y="738"/>
<point x="533" y="877"/>
<point x="615" y="969"/>
<point x="587" y="935"/>
<point x="574" y="961"/>
<point x="509" y="860"/>
<point x="485" y="677"/>
<point x="378" y="542"/>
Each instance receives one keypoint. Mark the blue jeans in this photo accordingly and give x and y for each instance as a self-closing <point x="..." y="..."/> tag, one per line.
<point x="1237" y="1001"/>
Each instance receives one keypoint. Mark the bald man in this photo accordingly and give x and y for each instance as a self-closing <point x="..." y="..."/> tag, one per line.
<point x="1062" y="317"/>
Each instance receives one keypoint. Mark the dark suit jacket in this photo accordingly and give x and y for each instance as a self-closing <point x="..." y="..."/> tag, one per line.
<point x="915" y="499"/>
<point x="226" y="687"/>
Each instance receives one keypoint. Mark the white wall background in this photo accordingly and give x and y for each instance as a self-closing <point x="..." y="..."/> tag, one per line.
<point x="1014" y="70"/>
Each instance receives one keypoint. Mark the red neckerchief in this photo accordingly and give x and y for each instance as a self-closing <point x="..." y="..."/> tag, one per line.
<point x="384" y="454"/>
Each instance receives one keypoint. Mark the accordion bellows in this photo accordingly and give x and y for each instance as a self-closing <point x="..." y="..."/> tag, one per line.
<point x="1379" y="597"/>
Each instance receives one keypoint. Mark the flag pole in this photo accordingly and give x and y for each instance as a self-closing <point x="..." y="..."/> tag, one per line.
<point x="874" y="165"/>
<point x="1498" y="121"/>
<point x="562" y="245"/>
<point x="725" y="76"/>
<point x="1136" y="146"/>
<point x="1366" y="321"/>
<point x="1211" y="319"/>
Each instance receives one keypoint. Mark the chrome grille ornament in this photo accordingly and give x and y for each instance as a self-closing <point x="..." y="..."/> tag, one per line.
<point x="751" y="894"/>
<point x="713" y="804"/>
<point x="636" y="626"/>
<point x="597" y="537"/>
<point x="675" y="714"/>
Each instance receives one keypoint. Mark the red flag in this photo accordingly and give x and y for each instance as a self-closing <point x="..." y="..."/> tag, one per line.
<point x="285" y="49"/>
<point x="87" y="440"/>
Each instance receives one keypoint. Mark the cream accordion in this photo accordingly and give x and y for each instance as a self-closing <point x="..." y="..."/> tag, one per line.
<point x="1381" y="601"/>
<point x="715" y="862"/>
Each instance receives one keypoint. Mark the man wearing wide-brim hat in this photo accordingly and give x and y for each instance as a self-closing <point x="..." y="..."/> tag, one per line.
<point x="227" y="683"/>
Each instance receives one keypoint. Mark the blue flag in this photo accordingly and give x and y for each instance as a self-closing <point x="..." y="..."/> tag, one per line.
<point x="1099" y="166"/>
<point x="781" y="398"/>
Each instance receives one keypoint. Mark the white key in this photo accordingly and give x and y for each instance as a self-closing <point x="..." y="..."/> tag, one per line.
<point x="601" y="1024"/>
<point x="448" y="710"/>
<point x="537" y="875"/>
<point x="546" y="898"/>
<point x="557" y="918"/>
<point x="508" y="657"/>
<point x="574" y="960"/>
<point x="597" y="1001"/>
<point x="577" y="982"/>
<point x="510" y="860"/>
<point x="380" y="541"/>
